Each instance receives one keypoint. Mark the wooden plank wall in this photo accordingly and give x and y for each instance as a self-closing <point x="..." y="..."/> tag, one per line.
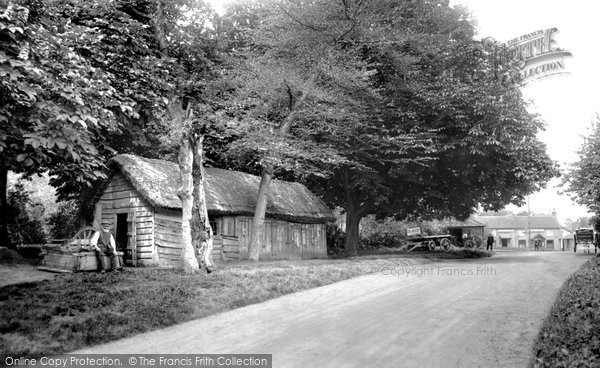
<point x="167" y="236"/>
<point x="225" y="248"/>
<point x="284" y="240"/>
<point x="167" y="233"/>
<point x="121" y="197"/>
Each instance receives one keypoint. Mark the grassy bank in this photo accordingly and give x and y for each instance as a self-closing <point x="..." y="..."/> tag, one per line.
<point x="77" y="310"/>
<point x="570" y="335"/>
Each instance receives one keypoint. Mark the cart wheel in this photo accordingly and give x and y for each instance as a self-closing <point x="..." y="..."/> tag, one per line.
<point x="85" y="233"/>
<point x="445" y="244"/>
<point x="431" y="245"/>
<point x="469" y="244"/>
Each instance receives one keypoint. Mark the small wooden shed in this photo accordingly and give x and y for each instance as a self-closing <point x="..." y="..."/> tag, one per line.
<point x="474" y="230"/>
<point x="139" y="201"/>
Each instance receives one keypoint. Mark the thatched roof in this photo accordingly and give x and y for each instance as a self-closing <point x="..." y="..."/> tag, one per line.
<point x="227" y="192"/>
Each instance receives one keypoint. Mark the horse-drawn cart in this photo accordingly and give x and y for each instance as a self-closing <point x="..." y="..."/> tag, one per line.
<point x="73" y="255"/>
<point x="430" y="242"/>
<point x="445" y="242"/>
<point x="585" y="239"/>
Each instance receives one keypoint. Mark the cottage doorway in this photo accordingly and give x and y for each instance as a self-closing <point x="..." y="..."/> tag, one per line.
<point x="121" y="232"/>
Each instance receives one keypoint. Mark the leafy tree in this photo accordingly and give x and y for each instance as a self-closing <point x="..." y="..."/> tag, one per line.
<point x="583" y="177"/>
<point x="303" y="81"/>
<point x="438" y="125"/>
<point x="54" y="105"/>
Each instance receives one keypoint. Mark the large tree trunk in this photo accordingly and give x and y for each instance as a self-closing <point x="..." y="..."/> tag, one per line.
<point x="202" y="235"/>
<point x="356" y="208"/>
<point x="258" y="223"/>
<point x="185" y="192"/>
<point x="353" y="217"/>
<point x="4" y="240"/>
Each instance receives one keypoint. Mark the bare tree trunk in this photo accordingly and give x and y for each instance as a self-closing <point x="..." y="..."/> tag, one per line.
<point x="258" y="223"/>
<point x="185" y="159"/>
<point x="194" y="234"/>
<point x="202" y="234"/>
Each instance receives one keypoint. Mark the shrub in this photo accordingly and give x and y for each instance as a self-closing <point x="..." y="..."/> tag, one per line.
<point x="64" y="223"/>
<point x="26" y="216"/>
<point x="570" y="336"/>
<point x="378" y="240"/>
<point x="376" y="233"/>
<point x="335" y="239"/>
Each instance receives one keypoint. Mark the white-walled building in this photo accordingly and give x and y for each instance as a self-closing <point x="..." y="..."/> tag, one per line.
<point x="513" y="231"/>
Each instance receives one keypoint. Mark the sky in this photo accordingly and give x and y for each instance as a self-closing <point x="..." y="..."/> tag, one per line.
<point x="568" y="102"/>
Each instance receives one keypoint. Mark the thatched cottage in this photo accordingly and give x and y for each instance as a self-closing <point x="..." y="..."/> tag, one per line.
<point x="139" y="200"/>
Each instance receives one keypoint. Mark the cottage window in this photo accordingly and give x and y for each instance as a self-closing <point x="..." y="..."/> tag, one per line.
<point x="228" y="226"/>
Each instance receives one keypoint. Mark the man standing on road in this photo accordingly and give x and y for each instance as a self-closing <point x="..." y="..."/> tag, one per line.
<point x="490" y="242"/>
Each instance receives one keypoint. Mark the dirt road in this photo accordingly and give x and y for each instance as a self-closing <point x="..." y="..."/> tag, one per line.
<point x="468" y="313"/>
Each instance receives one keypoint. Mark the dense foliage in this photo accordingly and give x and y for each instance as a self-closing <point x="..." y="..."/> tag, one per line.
<point x="583" y="177"/>
<point x="55" y="105"/>
<point x="569" y="336"/>
<point x="27" y="216"/>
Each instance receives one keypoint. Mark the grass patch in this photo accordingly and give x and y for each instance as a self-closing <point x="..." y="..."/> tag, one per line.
<point x="570" y="335"/>
<point x="77" y="310"/>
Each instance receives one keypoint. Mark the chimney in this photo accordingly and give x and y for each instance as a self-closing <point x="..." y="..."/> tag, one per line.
<point x="554" y="212"/>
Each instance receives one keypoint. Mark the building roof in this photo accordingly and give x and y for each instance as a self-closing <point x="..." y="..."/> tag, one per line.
<point x="520" y="222"/>
<point x="453" y="223"/>
<point x="227" y="192"/>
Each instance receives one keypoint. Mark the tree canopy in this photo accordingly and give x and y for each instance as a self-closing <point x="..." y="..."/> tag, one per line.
<point x="385" y="107"/>
<point x="418" y="119"/>
<point x="55" y="105"/>
<point x="582" y="179"/>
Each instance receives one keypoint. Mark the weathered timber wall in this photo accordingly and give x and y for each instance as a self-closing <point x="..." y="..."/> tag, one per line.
<point x="120" y="197"/>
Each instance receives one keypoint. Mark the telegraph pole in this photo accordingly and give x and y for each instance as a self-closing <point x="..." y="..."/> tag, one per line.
<point x="528" y="223"/>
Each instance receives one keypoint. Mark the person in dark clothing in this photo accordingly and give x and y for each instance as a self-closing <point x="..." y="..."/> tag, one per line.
<point x="103" y="244"/>
<point x="490" y="242"/>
